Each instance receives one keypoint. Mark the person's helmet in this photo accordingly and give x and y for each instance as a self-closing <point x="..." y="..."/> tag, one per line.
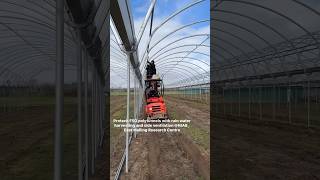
<point x="152" y="61"/>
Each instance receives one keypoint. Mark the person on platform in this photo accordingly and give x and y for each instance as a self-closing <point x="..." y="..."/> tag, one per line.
<point x="151" y="69"/>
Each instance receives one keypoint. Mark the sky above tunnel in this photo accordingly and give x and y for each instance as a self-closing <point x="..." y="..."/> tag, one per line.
<point x="240" y="28"/>
<point x="167" y="62"/>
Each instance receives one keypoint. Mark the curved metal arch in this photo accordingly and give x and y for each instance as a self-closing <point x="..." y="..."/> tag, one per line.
<point x="29" y="20"/>
<point x="181" y="83"/>
<point x="10" y="56"/>
<point x="176" y="47"/>
<point x="118" y="75"/>
<point x="8" y="74"/>
<point x="259" y="22"/>
<point x="278" y="13"/>
<point x="184" y="70"/>
<point x="308" y="7"/>
<point x="12" y="73"/>
<point x="179" y="67"/>
<point x="18" y="66"/>
<point x="175" y="41"/>
<point x="114" y="61"/>
<point x="184" y="62"/>
<point x="68" y="44"/>
<point x="117" y="66"/>
<point x="164" y="67"/>
<point x="112" y="40"/>
<point x="28" y="9"/>
<point x="120" y="52"/>
<point x="180" y="75"/>
<point x="118" y="63"/>
<point x="181" y="72"/>
<point x="196" y="59"/>
<point x="245" y="63"/>
<point x="37" y="12"/>
<point x="36" y="67"/>
<point x="33" y="30"/>
<point x="27" y="42"/>
<point x="17" y="59"/>
<point x="18" y="62"/>
<point x="189" y="53"/>
<point x="186" y="45"/>
<point x="245" y="29"/>
<point x="249" y="31"/>
<point x="237" y="37"/>
<point x="180" y="52"/>
<point x="175" y="14"/>
<point x="26" y="59"/>
<point x="117" y="56"/>
<point x="234" y="57"/>
<point x="179" y="58"/>
<point x="230" y="44"/>
<point x="176" y="30"/>
<point x="35" y="42"/>
<point x="34" y="74"/>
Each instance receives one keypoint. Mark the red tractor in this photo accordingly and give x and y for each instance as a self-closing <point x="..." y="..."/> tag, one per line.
<point x="155" y="107"/>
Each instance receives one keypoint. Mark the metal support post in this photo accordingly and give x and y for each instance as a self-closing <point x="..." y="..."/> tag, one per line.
<point x="289" y="102"/>
<point x="86" y="116"/>
<point x="273" y="103"/>
<point x="135" y="104"/>
<point x="59" y="106"/>
<point x="92" y="144"/>
<point x="249" y="103"/>
<point x="239" y="101"/>
<point x="308" y="96"/>
<point x="79" y="91"/>
<point x="231" y="101"/>
<point x="260" y="102"/>
<point x="128" y="108"/>
<point x="224" y="102"/>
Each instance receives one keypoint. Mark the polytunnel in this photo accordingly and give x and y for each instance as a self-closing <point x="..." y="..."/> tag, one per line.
<point x="54" y="77"/>
<point x="266" y="60"/>
<point x="70" y="69"/>
<point x="57" y="69"/>
<point x="178" y="46"/>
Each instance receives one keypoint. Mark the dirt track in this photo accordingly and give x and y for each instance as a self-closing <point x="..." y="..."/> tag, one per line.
<point x="263" y="151"/>
<point x="156" y="156"/>
<point x="159" y="156"/>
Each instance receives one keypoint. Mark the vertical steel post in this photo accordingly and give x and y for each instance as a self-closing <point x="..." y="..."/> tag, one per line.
<point x="260" y="102"/>
<point x="58" y="123"/>
<point x="250" y="103"/>
<point x="289" y="102"/>
<point x="79" y="79"/>
<point x="239" y="101"/>
<point x="128" y="104"/>
<point x="95" y="112"/>
<point x="273" y="103"/>
<point x="224" y="102"/>
<point x="135" y="103"/>
<point x="279" y="93"/>
<point x="92" y="117"/>
<point x="308" y="101"/>
<point x="86" y="116"/>
<point x="200" y="92"/>
<point x="206" y="92"/>
<point x="231" y="101"/>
